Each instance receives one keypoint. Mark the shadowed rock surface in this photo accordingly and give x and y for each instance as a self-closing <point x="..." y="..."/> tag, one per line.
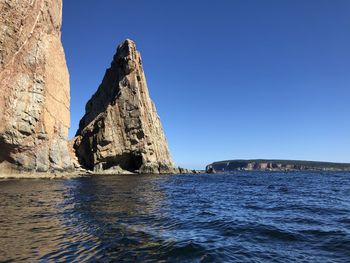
<point x="34" y="81"/>
<point x="121" y="129"/>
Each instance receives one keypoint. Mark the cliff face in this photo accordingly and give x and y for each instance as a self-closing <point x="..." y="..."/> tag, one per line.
<point x="34" y="81"/>
<point x="121" y="128"/>
<point x="275" y="165"/>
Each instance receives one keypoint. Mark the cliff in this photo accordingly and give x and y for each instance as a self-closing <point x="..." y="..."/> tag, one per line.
<point x="34" y="80"/>
<point x="121" y="129"/>
<point x="274" y="165"/>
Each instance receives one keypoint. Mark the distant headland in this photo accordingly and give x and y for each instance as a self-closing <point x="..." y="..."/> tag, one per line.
<point x="274" y="165"/>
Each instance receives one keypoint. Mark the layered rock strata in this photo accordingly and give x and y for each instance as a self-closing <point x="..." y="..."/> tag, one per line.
<point x="121" y="129"/>
<point x="34" y="81"/>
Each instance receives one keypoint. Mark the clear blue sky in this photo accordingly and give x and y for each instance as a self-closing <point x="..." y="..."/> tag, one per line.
<point x="230" y="79"/>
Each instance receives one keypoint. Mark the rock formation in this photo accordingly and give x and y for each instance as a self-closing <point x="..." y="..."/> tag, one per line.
<point x="34" y="81"/>
<point x="121" y="128"/>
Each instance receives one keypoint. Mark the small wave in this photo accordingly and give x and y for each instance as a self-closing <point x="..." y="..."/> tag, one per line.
<point x="261" y="232"/>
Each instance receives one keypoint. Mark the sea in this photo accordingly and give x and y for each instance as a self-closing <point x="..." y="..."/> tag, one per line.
<point x="238" y="217"/>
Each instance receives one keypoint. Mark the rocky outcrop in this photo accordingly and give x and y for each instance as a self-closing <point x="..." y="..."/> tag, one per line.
<point x="121" y="129"/>
<point x="34" y="80"/>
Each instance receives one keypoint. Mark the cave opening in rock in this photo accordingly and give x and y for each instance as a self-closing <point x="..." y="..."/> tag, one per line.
<point x="127" y="161"/>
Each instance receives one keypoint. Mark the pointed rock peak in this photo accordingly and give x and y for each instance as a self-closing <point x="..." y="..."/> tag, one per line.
<point x="128" y="42"/>
<point x="127" y="49"/>
<point x="127" y="57"/>
<point x="121" y="129"/>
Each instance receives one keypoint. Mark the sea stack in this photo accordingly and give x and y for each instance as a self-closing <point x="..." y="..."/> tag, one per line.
<point x="34" y="81"/>
<point x="121" y="130"/>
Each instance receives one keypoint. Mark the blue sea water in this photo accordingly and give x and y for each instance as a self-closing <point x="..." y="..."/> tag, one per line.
<point x="240" y="217"/>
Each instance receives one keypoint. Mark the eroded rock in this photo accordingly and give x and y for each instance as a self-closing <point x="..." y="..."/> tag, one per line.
<point x="121" y="127"/>
<point x="34" y="80"/>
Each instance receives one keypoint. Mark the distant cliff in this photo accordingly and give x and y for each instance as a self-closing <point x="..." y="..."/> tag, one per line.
<point x="275" y="165"/>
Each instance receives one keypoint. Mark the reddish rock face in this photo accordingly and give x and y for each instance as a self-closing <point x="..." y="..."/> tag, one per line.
<point x="121" y="128"/>
<point x="34" y="81"/>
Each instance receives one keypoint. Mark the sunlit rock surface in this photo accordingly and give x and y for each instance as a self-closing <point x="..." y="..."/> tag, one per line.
<point x="121" y="129"/>
<point x="34" y="81"/>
